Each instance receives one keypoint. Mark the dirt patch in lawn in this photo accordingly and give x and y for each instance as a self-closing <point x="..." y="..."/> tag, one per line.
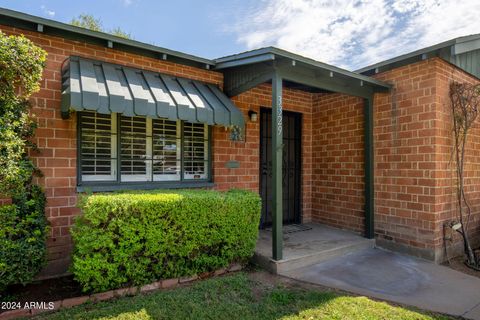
<point x="265" y="282"/>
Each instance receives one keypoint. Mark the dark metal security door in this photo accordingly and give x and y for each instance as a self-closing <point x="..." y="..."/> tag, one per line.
<point x="292" y="132"/>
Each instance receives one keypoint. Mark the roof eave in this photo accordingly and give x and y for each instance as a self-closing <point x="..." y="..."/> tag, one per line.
<point x="7" y="15"/>
<point x="337" y="70"/>
<point x="272" y="53"/>
<point x="444" y="49"/>
<point x="422" y="53"/>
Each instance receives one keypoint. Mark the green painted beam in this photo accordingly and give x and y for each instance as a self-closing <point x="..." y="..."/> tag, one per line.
<point x="300" y="60"/>
<point x="307" y="77"/>
<point x="247" y="85"/>
<point x="277" y="155"/>
<point x="369" y="169"/>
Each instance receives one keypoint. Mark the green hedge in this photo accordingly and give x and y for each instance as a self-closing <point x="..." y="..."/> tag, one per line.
<point x="23" y="231"/>
<point x="140" y="237"/>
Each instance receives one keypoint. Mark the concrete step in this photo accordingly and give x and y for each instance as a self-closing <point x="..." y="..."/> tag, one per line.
<point x="307" y="248"/>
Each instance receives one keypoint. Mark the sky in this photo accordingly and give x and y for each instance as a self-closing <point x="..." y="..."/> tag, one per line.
<point x="349" y="34"/>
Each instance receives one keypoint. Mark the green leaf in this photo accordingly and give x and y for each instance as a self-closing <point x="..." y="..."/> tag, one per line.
<point x="138" y="237"/>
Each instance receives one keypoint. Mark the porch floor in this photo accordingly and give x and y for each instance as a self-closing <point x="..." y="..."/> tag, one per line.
<point x="308" y="247"/>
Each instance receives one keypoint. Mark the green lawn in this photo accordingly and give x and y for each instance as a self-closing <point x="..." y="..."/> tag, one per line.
<point x="239" y="296"/>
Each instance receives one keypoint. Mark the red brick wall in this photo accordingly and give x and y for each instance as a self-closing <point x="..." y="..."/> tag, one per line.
<point x="247" y="153"/>
<point x="445" y="204"/>
<point x="413" y="181"/>
<point x="405" y="159"/>
<point x="414" y="177"/>
<point x="338" y="162"/>
<point x="56" y="138"/>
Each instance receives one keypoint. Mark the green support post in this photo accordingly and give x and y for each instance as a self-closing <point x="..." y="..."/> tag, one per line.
<point x="277" y="155"/>
<point x="369" y="170"/>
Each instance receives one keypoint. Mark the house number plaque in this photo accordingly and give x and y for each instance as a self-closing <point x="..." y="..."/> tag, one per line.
<point x="279" y="114"/>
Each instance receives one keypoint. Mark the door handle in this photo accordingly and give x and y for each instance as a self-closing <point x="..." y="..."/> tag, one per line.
<point x="264" y="169"/>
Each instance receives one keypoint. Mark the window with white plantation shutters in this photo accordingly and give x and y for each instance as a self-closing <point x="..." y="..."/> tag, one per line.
<point x="166" y="150"/>
<point x="149" y="150"/>
<point x="98" y="156"/>
<point x="135" y="156"/>
<point x="195" y="151"/>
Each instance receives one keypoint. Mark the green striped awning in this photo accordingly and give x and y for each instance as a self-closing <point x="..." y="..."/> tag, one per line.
<point x="106" y="88"/>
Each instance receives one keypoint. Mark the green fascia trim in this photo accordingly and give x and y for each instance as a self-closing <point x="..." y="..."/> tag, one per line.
<point x="245" y="61"/>
<point x="103" y="187"/>
<point x="443" y="50"/>
<point x="407" y="56"/>
<point x="353" y="89"/>
<point x="466" y="46"/>
<point x="108" y="88"/>
<point x="306" y="62"/>
<point x="303" y="75"/>
<point x="244" y="55"/>
<point x="10" y="17"/>
<point x="317" y="64"/>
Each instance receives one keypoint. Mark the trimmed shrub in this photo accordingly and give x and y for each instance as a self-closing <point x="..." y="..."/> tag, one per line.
<point x="22" y="240"/>
<point x="136" y="238"/>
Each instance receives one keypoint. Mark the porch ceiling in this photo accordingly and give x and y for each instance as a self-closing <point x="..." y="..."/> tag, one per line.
<point x="246" y="70"/>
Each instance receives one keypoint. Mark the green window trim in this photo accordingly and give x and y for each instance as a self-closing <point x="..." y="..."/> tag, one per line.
<point x="106" y="187"/>
<point x="113" y="181"/>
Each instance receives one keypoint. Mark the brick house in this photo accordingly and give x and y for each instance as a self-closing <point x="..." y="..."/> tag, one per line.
<point x="366" y="151"/>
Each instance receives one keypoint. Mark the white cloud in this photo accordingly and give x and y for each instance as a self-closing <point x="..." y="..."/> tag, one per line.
<point x="47" y="12"/>
<point x="127" y="3"/>
<point x="356" y="33"/>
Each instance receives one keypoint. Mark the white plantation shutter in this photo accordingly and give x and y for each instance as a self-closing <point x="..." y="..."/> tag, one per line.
<point x="166" y="149"/>
<point x="195" y="151"/>
<point x="98" y="156"/>
<point x="133" y="149"/>
<point x="150" y="150"/>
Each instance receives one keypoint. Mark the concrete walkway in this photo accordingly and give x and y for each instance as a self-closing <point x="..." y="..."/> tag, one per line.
<point x="318" y="243"/>
<point x="398" y="278"/>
